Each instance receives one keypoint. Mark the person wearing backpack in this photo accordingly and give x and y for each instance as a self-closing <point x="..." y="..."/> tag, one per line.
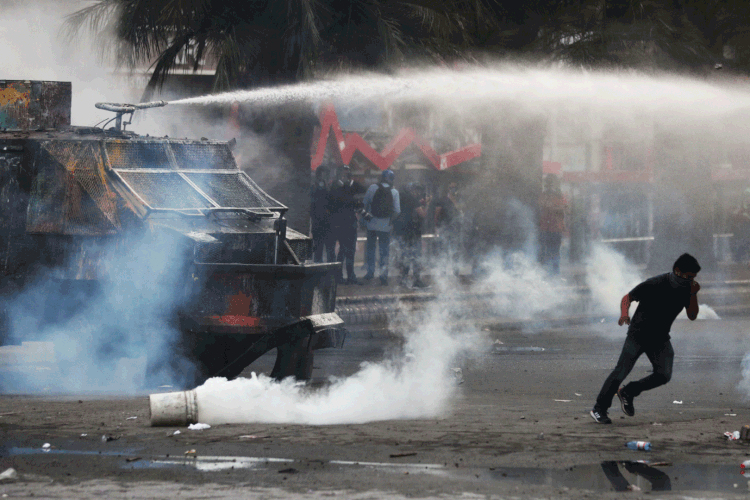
<point x="382" y="206"/>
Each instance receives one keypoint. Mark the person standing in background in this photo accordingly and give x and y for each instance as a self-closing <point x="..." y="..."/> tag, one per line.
<point x="407" y="229"/>
<point x="320" y="223"/>
<point x="345" y="199"/>
<point x="448" y="222"/>
<point x="382" y="206"/>
<point x="551" y="223"/>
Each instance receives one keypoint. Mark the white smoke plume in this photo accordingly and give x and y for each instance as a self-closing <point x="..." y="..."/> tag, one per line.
<point x="609" y="276"/>
<point x="417" y="383"/>
<point x="517" y="287"/>
<point x="106" y="339"/>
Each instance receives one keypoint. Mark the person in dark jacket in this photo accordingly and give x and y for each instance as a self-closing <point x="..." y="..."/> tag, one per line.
<point x="344" y="201"/>
<point x="320" y="223"/>
<point x="407" y="228"/>
<point x="448" y="222"/>
<point x="660" y="299"/>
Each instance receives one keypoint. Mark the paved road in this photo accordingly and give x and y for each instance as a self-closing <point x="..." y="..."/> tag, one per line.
<point x="516" y="426"/>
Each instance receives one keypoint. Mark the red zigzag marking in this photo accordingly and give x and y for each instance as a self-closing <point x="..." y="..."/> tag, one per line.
<point x="354" y="142"/>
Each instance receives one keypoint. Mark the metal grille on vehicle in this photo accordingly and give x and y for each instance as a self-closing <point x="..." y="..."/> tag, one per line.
<point x="137" y="154"/>
<point x="165" y="190"/>
<point x="231" y="190"/>
<point x="203" y="156"/>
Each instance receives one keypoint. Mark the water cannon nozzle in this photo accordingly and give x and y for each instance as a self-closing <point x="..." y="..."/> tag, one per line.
<point x="125" y="108"/>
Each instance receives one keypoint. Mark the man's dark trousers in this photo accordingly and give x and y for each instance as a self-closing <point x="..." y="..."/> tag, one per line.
<point x="321" y="239"/>
<point x="381" y="240"/>
<point x="347" y="238"/>
<point x="661" y="356"/>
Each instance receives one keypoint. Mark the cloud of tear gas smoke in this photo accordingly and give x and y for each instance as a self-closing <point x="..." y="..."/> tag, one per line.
<point x="515" y="286"/>
<point x="418" y="383"/>
<point x="609" y="276"/>
<point x="33" y="49"/>
<point x="744" y="385"/>
<point x="108" y="335"/>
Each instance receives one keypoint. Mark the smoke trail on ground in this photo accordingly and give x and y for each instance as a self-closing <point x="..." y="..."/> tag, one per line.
<point x="417" y="383"/>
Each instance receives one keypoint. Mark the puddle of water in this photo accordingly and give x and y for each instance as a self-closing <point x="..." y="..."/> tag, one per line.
<point x="408" y="468"/>
<point x="208" y="464"/>
<point x="625" y="475"/>
<point x="520" y="349"/>
<point x="55" y="451"/>
<point x="219" y="463"/>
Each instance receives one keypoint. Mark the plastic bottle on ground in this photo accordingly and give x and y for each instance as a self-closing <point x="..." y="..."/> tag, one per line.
<point x="639" y="445"/>
<point x="745" y="464"/>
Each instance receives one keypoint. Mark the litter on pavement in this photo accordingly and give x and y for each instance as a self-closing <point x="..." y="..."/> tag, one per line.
<point x="198" y="427"/>
<point x="732" y="436"/>
<point x="9" y="475"/>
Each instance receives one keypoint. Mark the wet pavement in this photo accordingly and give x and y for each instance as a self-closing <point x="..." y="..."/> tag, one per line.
<point x="518" y="427"/>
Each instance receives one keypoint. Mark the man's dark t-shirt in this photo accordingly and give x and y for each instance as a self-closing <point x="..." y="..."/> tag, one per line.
<point x="343" y="202"/>
<point x="408" y="224"/>
<point x="319" y="210"/>
<point x="659" y="303"/>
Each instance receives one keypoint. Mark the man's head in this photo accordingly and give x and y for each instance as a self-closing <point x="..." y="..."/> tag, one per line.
<point x="416" y="189"/>
<point x="321" y="173"/>
<point x="388" y="176"/>
<point x="686" y="266"/>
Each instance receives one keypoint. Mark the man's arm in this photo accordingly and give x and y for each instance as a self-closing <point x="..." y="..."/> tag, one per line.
<point x="624" y="310"/>
<point x="692" y="307"/>
<point x="367" y="201"/>
<point x="396" y="204"/>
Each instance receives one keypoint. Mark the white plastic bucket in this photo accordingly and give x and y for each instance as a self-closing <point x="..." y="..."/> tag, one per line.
<point x="173" y="408"/>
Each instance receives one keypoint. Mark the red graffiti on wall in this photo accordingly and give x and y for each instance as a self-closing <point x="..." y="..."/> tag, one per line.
<point x="353" y="142"/>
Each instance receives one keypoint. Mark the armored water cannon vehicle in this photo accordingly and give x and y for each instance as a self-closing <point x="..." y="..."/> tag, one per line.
<point x="71" y="197"/>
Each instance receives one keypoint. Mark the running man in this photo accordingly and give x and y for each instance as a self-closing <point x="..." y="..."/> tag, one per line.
<point x="660" y="299"/>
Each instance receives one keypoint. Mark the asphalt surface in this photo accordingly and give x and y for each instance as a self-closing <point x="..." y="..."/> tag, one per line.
<point x="518" y="426"/>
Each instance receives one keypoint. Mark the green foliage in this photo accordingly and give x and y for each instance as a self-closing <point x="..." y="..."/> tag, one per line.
<point x="260" y="42"/>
